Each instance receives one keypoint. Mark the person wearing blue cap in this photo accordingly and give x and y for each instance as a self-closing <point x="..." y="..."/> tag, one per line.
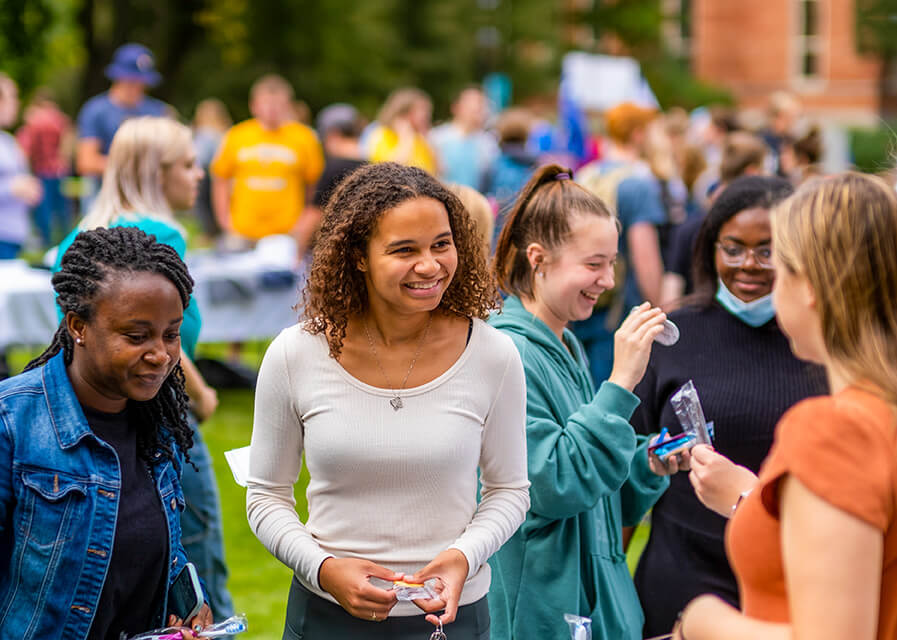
<point x="132" y="71"/>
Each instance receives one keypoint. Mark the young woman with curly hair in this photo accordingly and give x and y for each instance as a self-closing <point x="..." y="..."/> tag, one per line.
<point x="396" y="391"/>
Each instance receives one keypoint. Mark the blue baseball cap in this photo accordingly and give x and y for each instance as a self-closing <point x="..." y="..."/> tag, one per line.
<point x="133" y="62"/>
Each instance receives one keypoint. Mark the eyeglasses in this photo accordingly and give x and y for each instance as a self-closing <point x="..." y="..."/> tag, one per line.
<point x="735" y="255"/>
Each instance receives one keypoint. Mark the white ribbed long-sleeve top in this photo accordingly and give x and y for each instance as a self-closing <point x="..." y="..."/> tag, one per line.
<point x="393" y="487"/>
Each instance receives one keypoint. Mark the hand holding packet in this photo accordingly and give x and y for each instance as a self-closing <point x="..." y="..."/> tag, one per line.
<point x="663" y="449"/>
<point x="688" y="409"/>
<point x="224" y="629"/>
<point x="695" y="429"/>
<point x="670" y="334"/>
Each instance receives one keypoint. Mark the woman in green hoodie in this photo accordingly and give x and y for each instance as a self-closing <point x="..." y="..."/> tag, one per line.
<point x="590" y="473"/>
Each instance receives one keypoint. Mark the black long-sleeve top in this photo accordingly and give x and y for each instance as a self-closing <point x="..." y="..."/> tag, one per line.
<point x="746" y="378"/>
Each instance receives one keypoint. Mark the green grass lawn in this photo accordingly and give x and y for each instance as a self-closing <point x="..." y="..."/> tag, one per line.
<point x="258" y="582"/>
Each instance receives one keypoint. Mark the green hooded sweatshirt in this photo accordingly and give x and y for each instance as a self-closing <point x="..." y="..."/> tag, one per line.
<point x="590" y="478"/>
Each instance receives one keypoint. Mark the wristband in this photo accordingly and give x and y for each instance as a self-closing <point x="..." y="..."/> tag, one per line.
<point x="741" y="496"/>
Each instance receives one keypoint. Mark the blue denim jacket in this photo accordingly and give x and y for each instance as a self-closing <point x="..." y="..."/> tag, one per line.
<point x="59" y="492"/>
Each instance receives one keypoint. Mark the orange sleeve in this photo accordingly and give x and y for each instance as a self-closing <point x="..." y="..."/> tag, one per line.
<point x="841" y="454"/>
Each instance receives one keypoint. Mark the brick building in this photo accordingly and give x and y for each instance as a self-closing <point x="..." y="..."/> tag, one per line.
<point x="807" y="47"/>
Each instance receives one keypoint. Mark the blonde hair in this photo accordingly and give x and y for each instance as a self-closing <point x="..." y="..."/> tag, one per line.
<point x="132" y="183"/>
<point x="211" y="113"/>
<point x="659" y="151"/>
<point x="840" y="234"/>
<point x="399" y="103"/>
<point x="480" y="211"/>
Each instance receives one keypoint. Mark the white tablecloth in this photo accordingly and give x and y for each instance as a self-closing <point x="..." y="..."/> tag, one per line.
<point x="241" y="296"/>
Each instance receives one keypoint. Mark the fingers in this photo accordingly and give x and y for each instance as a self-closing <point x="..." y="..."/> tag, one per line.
<point x="651" y="326"/>
<point x="348" y="580"/>
<point x="695" y="481"/>
<point x="430" y="606"/>
<point x="638" y="316"/>
<point x="374" y="570"/>
<point x="451" y="609"/>
<point x="642" y="326"/>
<point x="451" y="612"/>
<point x="702" y="454"/>
<point x="684" y="460"/>
<point x="630" y="319"/>
<point x="201" y="619"/>
<point x="667" y="467"/>
<point x="376" y="596"/>
<point x="672" y="464"/>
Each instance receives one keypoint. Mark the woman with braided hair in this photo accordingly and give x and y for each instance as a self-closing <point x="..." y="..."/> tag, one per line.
<point x="151" y="172"/>
<point x="91" y="439"/>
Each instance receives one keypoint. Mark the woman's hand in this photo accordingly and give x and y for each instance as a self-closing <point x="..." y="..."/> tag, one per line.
<point x="696" y="614"/>
<point x="346" y="579"/>
<point x="451" y="568"/>
<point x="195" y="624"/>
<point x="674" y="464"/>
<point x="632" y="344"/>
<point x="717" y="480"/>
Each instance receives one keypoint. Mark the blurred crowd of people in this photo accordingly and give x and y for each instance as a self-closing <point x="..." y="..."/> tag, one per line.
<point x="272" y="173"/>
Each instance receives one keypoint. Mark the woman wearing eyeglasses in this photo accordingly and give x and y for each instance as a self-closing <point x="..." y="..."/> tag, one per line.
<point x="746" y="376"/>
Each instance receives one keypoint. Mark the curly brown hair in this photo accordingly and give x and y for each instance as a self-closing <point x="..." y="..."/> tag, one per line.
<point x="336" y="288"/>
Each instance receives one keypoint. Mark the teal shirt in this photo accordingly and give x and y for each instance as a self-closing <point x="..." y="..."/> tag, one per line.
<point x="590" y="478"/>
<point x="166" y="234"/>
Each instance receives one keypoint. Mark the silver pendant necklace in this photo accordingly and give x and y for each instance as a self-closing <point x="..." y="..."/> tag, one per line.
<point x="396" y="401"/>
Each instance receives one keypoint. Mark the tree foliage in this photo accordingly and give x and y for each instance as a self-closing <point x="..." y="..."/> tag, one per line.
<point x="330" y="50"/>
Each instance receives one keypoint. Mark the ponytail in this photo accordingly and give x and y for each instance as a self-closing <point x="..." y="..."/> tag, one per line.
<point x="540" y="214"/>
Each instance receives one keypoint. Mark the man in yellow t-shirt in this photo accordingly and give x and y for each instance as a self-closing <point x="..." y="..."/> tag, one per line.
<point x="266" y="168"/>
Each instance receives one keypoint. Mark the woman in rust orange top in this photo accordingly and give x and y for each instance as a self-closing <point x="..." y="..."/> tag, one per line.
<point x="814" y="545"/>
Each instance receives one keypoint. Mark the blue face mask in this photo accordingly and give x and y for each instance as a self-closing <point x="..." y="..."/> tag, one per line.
<point x="755" y="313"/>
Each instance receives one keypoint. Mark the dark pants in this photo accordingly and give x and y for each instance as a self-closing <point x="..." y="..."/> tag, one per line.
<point x="310" y="617"/>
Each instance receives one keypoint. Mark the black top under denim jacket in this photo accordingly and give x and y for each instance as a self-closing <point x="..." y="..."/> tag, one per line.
<point x="60" y="495"/>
